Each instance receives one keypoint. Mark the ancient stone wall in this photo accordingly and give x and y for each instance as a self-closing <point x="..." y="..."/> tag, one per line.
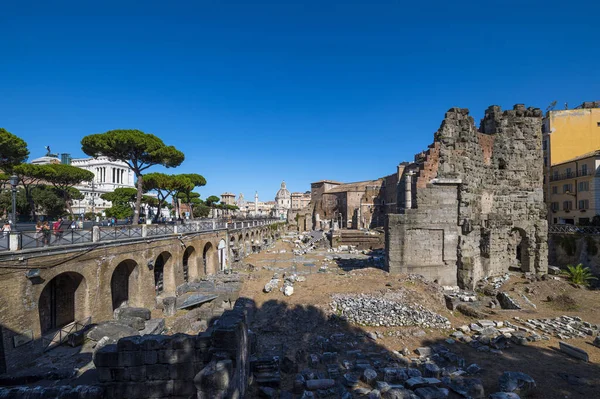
<point x="214" y="364"/>
<point x="90" y="281"/>
<point x="497" y="172"/>
<point x="571" y="249"/>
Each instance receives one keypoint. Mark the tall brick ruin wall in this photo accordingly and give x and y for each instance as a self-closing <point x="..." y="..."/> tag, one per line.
<point x="482" y="201"/>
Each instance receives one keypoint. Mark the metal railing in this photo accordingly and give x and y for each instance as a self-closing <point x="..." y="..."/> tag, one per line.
<point x="33" y="239"/>
<point x="56" y="338"/>
<point x="160" y="229"/>
<point x="119" y="232"/>
<point x="572" y="175"/>
<point x="4" y="241"/>
<point x="571" y="229"/>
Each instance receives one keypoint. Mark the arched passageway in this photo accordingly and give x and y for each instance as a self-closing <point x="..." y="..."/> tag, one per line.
<point x="190" y="264"/>
<point x="124" y="284"/>
<point x="162" y="273"/>
<point x="518" y="245"/>
<point x="63" y="301"/>
<point x="209" y="259"/>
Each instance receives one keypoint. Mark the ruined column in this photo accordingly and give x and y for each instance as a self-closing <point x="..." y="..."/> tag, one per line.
<point x="407" y="191"/>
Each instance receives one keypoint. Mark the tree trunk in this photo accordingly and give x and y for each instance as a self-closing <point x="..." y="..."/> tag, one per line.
<point x="191" y="211"/>
<point x="30" y="201"/>
<point x="138" y="201"/>
<point x="159" y="207"/>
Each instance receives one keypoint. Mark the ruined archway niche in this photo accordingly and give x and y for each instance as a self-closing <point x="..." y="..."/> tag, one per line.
<point x="518" y="247"/>
<point x="164" y="274"/>
<point x="190" y="264"/>
<point x="124" y="285"/>
<point x="209" y="259"/>
<point x="63" y="300"/>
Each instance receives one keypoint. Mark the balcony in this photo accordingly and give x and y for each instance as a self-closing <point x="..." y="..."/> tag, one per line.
<point x="572" y="175"/>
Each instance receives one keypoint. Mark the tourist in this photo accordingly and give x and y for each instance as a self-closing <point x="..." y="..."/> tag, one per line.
<point x="57" y="227"/>
<point x="39" y="234"/>
<point x="6" y="229"/>
<point x="46" y="233"/>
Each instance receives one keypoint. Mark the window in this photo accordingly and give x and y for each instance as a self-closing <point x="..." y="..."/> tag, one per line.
<point x="583" y="170"/>
<point x="545" y="145"/>
<point x="554" y="206"/>
<point x="567" y="188"/>
<point x="545" y="161"/>
<point x="584" y="221"/>
<point x="554" y="189"/>
<point x="598" y="124"/>
<point x="583" y="186"/>
<point x="584" y="204"/>
<point x="567" y="205"/>
<point x="568" y="172"/>
<point x="555" y="221"/>
<point x="555" y="175"/>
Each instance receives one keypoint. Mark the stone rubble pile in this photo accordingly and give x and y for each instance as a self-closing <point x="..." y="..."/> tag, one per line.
<point x="563" y="327"/>
<point x="453" y="295"/>
<point x="289" y="279"/>
<point x="335" y="368"/>
<point x="370" y="310"/>
<point x="495" y="336"/>
<point x="496" y="281"/>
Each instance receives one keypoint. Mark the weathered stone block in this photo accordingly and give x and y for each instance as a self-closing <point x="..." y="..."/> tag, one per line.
<point x="150" y="357"/>
<point x="131" y="359"/>
<point x="172" y="356"/>
<point x="214" y="381"/>
<point x="574" y="351"/>
<point x="129" y="344"/>
<point x="143" y="313"/>
<point x="157" y="372"/>
<point x="137" y="373"/>
<point x="184" y="388"/>
<point x="107" y="356"/>
<point x="182" y="371"/>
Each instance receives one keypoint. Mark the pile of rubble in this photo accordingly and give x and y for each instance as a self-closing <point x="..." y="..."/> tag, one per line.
<point x="563" y="327"/>
<point x="495" y="336"/>
<point x="336" y="369"/>
<point x="370" y="310"/>
<point x="288" y="283"/>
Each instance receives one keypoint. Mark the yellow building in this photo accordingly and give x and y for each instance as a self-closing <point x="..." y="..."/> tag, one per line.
<point x="574" y="190"/>
<point x="571" y="139"/>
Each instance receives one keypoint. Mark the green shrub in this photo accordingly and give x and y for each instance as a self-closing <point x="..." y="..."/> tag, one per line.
<point x="579" y="274"/>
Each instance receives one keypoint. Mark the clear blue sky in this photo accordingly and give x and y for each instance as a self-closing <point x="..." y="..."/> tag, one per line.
<point x="258" y="93"/>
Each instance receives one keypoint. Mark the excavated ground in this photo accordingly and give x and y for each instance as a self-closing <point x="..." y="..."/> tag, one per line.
<point x="295" y="326"/>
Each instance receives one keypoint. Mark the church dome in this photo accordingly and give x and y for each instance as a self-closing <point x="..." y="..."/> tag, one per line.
<point x="283" y="192"/>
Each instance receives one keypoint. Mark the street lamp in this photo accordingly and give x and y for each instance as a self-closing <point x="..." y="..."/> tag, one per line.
<point x="14" y="180"/>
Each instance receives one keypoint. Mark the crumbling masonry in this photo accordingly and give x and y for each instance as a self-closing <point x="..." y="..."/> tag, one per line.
<point x="472" y="205"/>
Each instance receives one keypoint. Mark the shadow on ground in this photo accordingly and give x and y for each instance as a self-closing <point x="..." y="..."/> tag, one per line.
<point x="315" y="344"/>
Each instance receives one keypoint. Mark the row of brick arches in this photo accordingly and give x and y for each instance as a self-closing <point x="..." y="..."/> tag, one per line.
<point x="65" y="298"/>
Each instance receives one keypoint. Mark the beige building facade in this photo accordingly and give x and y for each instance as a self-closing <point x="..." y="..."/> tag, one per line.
<point x="573" y="190"/>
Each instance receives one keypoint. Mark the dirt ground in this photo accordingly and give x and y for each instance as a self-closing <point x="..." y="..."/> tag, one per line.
<point x="298" y="324"/>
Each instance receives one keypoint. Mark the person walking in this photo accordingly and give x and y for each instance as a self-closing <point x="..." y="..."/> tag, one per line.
<point x="6" y="228"/>
<point x="39" y="234"/>
<point x="46" y="233"/>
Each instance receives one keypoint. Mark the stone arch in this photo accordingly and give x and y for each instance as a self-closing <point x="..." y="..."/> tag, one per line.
<point x="189" y="261"/>
<point x="209" y="259"/>
<point x="519" y="250"/>
<point x="63" y="300"/>
<point x="164" y="274"/>
<point x="124" y="284"/>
